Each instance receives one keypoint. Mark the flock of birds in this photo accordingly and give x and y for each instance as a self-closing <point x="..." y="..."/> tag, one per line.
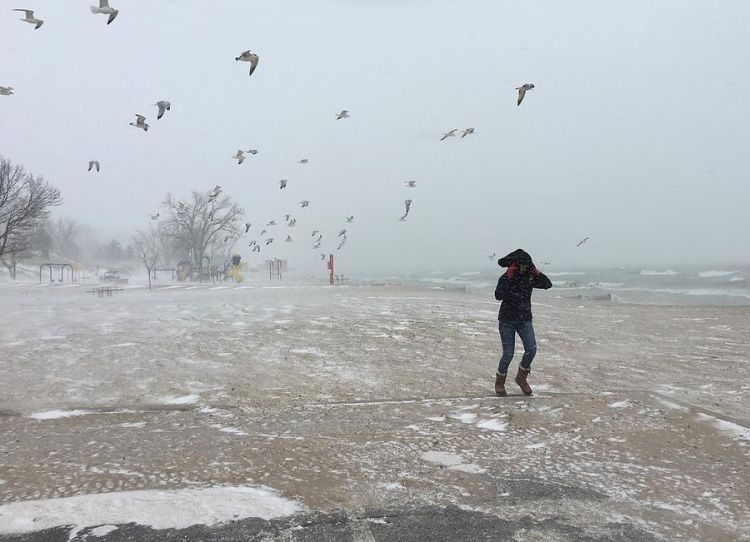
<point x="253" y="59"/>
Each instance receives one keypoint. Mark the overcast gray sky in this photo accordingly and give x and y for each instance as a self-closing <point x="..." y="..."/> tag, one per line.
<point x="635" y="135"/>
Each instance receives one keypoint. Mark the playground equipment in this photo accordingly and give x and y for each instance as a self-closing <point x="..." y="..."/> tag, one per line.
<point x="113" y="277"/>
<point x="61" y="267"/>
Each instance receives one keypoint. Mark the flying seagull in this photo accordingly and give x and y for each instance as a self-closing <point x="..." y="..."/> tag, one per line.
<point x="287" y="217"/>
<point x="342" y="232"/>
<point x="30" y="18"/>
<point x="303" y="161"/>
<point x="451" y="133"/>
<point x="492" y="256"/>
<point x="282" y="184"/>
<point x="315" y="232"/>
<point x="105" y="9"/>
<point x="304" y="203"/>
<point x="319" y="238"/>
<point x="155" y="217"/>
<point x="322" y="257"/>
<point x="288" y="238"/>
<point x="227" y="238"/>
<point x="247" y="226"/>
<point x="94" y="163"/>
<point x="271" y="223"/>
<point x="252" y="243"/>
<point x="6" y="91"/>
<point x="256" y="248"/>
<point x="252" y="58"/>
<point x="408" y="206"/>
<point x="582" y="241"/>
<point x="140" y="122"/>
<point x="163" y="106"/>
<point x="522" y="91"/>
<point x="240" y="157"/>
<point x="350" y="219"/>
<point x="341" y="244"/>
<point x="343" y="115"/>
<point x="316" y="246"/>
<point x="262" y="233"/>
<point x="468" y="131"/>
<point x="292" y="223"/>
<point x="411" y="184"/>
<point x="269" y="240"/>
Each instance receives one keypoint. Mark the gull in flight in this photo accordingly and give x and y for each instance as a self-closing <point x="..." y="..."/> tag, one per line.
<point x="104" y="8"/>
<point x="163" y="106"/>
<point x="155" y="217"/>
<point x="315" y="232"/>
<point x="6" y="91"/>
<point x="269" y="241"/>
<point x="342" y="232"/>
<point x="341" y="244"/>
<point x="492" y="256"/>
<point x="304" y="203"/>
<point x="30" y="18"/>
<point x="282" y="184"/>
<point x="288" y="238"/>
<point x="522" y="91"/>
<point x="247" y="226"/>
<point x="140" y="122"/>
<point x="252" y="58"/>
<point x="303" y="161"/>
<point x="262" y="233"/>
<point x="240" y="156"/>
<point x="214" y="194"/>
<point x="292" y="223"/>
<point x="451" y="133"/>
<point x="322" y="257"/>
<point x="350" y="219"/>
<point x="316" y="245"/>
<point x="319" y="238"/>
<point x="94" y="164"/>
<point x="287" y="217"/>
<point x="252" y="243"/>
<point x="256" y="248"/>
<point x="408" y="206"/>
<point x="271" y="223"/>
<point x="227" y="238"/>
<point x="343" y="115"/>
<point x="468" y="131"/>
<point x="582" y="241"/>
<point x="411" y="184"/>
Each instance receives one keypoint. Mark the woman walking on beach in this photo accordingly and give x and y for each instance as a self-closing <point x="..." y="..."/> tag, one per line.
<point x="514" y="289"/>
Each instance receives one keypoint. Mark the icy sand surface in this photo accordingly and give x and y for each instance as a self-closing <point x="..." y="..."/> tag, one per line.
<point x="353" y="398"/>
<point x="155" y="508"/>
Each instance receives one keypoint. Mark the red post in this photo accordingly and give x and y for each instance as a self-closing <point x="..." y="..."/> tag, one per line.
<point x="330" y="269"/>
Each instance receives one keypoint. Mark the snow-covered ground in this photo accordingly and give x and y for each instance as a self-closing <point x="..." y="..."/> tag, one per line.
<point x="356" y="397"/>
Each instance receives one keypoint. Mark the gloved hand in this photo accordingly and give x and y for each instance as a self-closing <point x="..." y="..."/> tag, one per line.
<point x="534" y="271"/>
<point x="512" y="270"/>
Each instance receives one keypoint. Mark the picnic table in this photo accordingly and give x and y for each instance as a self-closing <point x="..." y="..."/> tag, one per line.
<point x="101" y="291"/>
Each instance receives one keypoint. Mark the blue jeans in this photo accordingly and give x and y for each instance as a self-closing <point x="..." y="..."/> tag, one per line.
<point x="508" y="332"/>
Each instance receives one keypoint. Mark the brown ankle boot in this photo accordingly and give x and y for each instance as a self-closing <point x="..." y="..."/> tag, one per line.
<point x="521" y="380"/>
<point x="500" y="384"/>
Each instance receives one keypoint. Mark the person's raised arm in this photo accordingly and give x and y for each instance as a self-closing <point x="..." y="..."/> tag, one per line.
<point x="541" y="280"/>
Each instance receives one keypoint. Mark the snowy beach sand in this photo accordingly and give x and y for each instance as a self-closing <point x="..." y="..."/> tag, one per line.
<point x="375" y="401"/>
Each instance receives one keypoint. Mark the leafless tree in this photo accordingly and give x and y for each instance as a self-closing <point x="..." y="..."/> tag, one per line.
<point x="146" y="246"/>
<point x="201" y="223"/>
<point x="64" y="238"/>
<point x="25" y="201"/>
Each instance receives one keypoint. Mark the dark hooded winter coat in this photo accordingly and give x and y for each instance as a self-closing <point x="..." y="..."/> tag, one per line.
<point x="515" y="293"/>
